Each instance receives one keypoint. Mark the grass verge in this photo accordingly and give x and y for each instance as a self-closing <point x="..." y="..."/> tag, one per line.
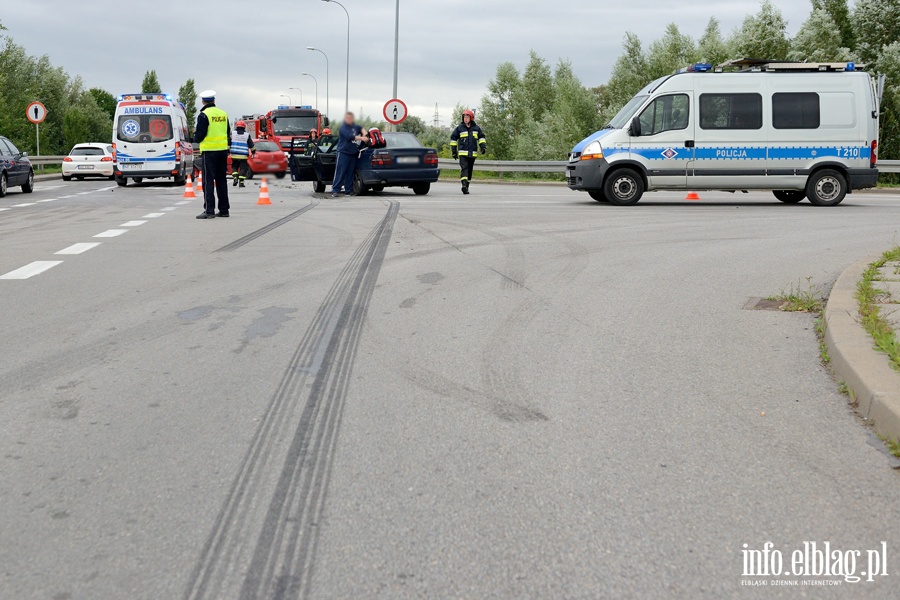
<point x="870" y="311"/>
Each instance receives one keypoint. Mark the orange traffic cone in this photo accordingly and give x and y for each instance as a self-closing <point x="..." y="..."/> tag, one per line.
<point x="692" y="196"/>
<point x="200" y="182"/>
<point x="264" y="193"/>
<point x="189" y="189"/>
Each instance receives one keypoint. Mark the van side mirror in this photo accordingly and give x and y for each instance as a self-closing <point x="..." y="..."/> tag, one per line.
<point x="263" y="125"/>
<point x="327" y="122"/>
<point x="635" y="130"/>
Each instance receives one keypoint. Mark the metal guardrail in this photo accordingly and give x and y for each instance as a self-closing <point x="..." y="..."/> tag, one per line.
<point x="496" y="166"/>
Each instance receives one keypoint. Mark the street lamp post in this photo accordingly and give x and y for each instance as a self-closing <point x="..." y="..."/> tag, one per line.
<point x="301" y="94"/>
<point x="317" y="87"/>
<point x="290" y="102"/>
<point x="327" y="81"/>
<point x="347" y="84"/>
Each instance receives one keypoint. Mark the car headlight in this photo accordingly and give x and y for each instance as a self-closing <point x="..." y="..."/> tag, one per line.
<point x="592" y="151"/>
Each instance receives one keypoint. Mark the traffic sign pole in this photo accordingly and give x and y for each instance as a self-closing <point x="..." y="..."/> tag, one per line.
<point x="36" y="113"/>
<point x="37" y="135"/>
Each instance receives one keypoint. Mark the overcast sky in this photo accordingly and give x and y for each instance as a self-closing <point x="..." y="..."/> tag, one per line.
<point x="251" y="52"/>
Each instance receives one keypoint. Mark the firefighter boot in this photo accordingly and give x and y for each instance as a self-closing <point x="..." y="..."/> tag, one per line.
<point x="465" y="186"/>
<point x="234" y="177"/>
<point x="241" y="184"/>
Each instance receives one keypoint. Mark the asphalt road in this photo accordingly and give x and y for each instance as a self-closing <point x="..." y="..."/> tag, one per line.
<point x="517" y="394"/>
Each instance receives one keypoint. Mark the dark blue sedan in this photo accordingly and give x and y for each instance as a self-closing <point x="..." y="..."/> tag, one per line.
<point x="15" y="168"/>
<point x="404" y="162"/>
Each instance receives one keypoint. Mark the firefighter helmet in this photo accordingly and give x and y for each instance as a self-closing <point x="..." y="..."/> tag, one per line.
<point x="313" y="131"/>
<point x="326" y="131"/>
<point x="470" y="113"/>
<point x="240" y="124"/>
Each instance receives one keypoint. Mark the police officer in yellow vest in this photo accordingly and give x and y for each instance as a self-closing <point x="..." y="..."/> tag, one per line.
<point x="214" y="136"/>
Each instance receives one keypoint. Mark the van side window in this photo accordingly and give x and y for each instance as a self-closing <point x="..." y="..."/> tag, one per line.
<point x="666" y="113"/>
<point x="730" y="111"/>
<point x="795" y="110"/>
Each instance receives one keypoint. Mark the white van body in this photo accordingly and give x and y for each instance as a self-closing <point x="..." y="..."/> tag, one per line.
<point x="796" y="130"/>
<point x="150" y="139"/>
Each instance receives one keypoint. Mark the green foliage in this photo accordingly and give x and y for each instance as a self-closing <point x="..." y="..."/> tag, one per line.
<point x="671" y="52"/>
<point x="414" y="125"/>
<point x="839" y="12"/>
<point x="85" y="121"/>
<point x="763" y="35"/>
<point x="819" y="40"/>
<point x="150" y="83"/>
<point x="877" y="23"/>
<point x="187" y="95"/>
<point x="501" y="113"/>
<point x="712" y="47"/>
<point x="629" y="75"/>
<point x="105" y="100"/>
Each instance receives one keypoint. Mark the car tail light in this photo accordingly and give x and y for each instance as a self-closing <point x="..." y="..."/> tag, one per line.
<point x="873" y="154"/>
<point x="178" y="151"/>
<point x="67" y="159"/>
<point x="114" y="151"/>
<point x="382" y="159"/>
<point x="106" y="159"/>
<point x="431" y="159"/>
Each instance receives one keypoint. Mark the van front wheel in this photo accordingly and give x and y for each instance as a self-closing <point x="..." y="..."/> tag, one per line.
<point x="623" y="187"/>
<point x="598" y="196"/>
<point x="826" y="188"/>
<point x="789" y="196"/>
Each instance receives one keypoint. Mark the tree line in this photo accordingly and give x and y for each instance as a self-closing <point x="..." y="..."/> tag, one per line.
<point x="75" y="113"/>
<point x="540" y="113"/>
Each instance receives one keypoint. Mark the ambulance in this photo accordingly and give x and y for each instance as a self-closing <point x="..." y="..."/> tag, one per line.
<point x="150" y="139"/>
<point x="799" y="130"/>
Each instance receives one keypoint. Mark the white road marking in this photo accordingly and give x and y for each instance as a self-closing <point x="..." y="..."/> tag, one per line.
<point x="132" y="223"/>
<point x="183" y="202"/>
<point x="78" y="248"/>
<point x="30" y="270"/>
<point x="4" y="208"/>
<point x="152" y="215"/>
<point x="106" y="189"/>
<point x="169" y="208"/>
<point x="111" y="233"/>
<point x="47" y="200"/>
<point x="83" y="193"/>
<point x="64" y="197"/>
<point x="23" y="204"/>
<point x="51" y="187"/>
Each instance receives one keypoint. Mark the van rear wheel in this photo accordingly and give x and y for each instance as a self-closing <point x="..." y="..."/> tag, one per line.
<point x="826" y="188"/>
<point x="789" y="196"/>
<point x="121" y="181"/>
<point x="623" y="187"/>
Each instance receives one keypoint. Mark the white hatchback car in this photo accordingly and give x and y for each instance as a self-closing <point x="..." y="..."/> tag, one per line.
<point x="89" y="160"/>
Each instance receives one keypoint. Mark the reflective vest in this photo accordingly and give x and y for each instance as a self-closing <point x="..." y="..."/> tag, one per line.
<point x="217" y="134"/>
<point x="239" y="146"/>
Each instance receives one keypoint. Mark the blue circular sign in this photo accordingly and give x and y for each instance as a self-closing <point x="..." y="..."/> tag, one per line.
<point x="131" y="128"/>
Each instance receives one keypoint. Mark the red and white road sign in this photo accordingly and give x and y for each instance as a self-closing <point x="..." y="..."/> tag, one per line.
<point x="395" y="111"/>
<point x="36" y="112"/>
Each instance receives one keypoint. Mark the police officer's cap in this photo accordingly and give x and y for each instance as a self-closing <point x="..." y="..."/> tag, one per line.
<point x="208" y="95"/>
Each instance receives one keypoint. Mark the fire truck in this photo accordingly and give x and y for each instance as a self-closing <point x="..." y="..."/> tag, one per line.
<point x="289" y="125"/>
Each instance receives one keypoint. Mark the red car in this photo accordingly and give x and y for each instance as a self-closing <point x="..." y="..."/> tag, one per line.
<point x="268" y="158"/>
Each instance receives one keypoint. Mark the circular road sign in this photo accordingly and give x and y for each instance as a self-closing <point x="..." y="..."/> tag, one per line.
<point x="395" y="111"/>
<point x="36" y="112"/>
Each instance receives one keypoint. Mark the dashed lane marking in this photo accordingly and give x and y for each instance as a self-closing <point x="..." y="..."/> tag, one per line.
<point x="47" y="200"/>
<point x="132" y="223"/>
<point x="23" y="204"/>
<point x="183" y="202"/>
<point x="78" y="248"/>
<point x="32" y="269"/>
<point x="111" y="233"/>
<point x="168" y="208"/>
<point x="152" y="215"/>
<point x="4" y="208"/>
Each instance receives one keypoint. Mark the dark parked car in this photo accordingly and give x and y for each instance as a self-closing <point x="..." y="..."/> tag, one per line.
<point x="15" y="168"/>
<point x="404" y="162"/>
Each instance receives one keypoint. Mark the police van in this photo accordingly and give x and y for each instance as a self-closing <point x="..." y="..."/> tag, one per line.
<point x="800" y="130"/>
<point x="150" y="139"/>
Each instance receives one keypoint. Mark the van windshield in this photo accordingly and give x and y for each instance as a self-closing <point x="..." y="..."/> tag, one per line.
<point x="144" y="129"/>
<point x="624" y="116"/>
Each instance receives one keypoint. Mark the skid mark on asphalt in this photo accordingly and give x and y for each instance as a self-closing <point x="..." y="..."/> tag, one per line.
<point x="293" y="445"/>
<point x="264" y="230"/>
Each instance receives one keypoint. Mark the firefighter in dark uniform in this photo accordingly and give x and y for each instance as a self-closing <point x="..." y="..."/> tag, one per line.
<point x="214" y="136"/>
<point x="465" y="142"/>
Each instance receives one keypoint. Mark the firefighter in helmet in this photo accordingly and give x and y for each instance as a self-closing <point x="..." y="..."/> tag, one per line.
<point x="465" y="142"/>
<point x="241" y="146"/>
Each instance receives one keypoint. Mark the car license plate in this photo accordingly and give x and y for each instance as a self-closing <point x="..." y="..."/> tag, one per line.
<point x="132" y="166"/>
<point x="274" y="167"/>
<point x="407" y="160"/>
<point x="85" y="167"/>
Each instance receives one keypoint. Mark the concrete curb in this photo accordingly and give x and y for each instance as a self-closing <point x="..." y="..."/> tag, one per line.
<point x="874" y="385"/>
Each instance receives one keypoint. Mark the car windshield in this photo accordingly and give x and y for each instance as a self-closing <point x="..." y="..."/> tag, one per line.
<point x="624" y="116"/>
<point x="266" y="146"/>
<point x="144" y="128"/>
<point x="401" y="140"/>
<point x="295" y="125"/>
<point x="87" y="151"/>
